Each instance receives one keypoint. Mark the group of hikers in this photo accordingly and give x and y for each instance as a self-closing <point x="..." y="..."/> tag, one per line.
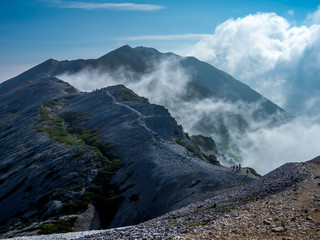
<point x="237" y="168"/>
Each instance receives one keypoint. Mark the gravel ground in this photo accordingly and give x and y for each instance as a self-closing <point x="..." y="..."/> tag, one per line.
<point x="286" y="198"/>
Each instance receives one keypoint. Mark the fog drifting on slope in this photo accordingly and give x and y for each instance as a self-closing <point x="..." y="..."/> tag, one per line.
<point x="262" y="148"/>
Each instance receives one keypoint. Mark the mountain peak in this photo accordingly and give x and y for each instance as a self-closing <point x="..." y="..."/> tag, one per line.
<point x="126" y="56"/>
<point x="121" y="50"/>
<point x="147" y="51"/>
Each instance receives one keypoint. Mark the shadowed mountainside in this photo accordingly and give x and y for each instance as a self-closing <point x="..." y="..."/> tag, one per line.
<point x="101" y="159"/>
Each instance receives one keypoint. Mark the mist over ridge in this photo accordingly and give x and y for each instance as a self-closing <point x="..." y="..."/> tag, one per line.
<point x="251" y="142"/>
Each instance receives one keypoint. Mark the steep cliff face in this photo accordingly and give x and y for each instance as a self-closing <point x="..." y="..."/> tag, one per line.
<point x="62" y="151"/>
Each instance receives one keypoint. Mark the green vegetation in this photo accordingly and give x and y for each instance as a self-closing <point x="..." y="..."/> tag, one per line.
<point x="67" y="131"/>
<point x="49" y="103"/>
<point x="191" y="149"/>
<point x="25" y="225"/>
<point x="188" y="147"/>
<point x="78" y="154"/>
<point x="44" y="115"/>
<point x="254" y="172"/>
<point x="74" y="207"/>
<point x="102" y="194"/>
<point x="58" y="226"/>
<point x="150" y="225"/>
<point x="70" y="90"/>
<point x="179" y="141"/>
<point x="230" y="206"/>
<point x="186" y="135"/>
<point x="56" y="128"/>
<point x="128" y="95"/>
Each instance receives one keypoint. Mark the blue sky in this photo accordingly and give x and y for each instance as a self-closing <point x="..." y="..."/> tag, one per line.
<point x="32" y="31"/>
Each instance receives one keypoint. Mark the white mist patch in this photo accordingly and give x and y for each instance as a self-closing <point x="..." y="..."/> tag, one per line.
<point x="165" y="84"/>
<point x="269" y="148"/>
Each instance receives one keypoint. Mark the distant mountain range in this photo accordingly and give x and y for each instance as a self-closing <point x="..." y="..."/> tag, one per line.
<point x="109" y="157"/>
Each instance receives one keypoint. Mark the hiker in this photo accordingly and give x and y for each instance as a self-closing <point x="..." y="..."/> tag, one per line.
<point x="247" y="172"/>
<point x="239" y="167"/>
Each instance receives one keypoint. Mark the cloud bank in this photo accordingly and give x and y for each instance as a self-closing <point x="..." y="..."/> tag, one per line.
<point x="278" y="60"/>
<point x="109" y="6"/>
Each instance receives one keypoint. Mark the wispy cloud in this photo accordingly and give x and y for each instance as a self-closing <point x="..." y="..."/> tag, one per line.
<point x="188" y="36"/>
<point x="108" y="6"/>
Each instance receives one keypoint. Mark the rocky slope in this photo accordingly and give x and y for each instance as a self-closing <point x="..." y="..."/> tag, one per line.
<point x="106" y="158"/>
<point x="283" y="204"/>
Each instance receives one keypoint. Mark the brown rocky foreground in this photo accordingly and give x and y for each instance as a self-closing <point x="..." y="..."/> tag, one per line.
<point x="290" y="214"/>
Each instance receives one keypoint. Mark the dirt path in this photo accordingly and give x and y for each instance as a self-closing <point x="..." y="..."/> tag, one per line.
<point x="141" y="117"/>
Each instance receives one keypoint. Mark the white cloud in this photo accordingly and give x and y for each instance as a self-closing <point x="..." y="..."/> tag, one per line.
<point x="315" y="16"/>
<point x="263" y="50"/>
<point x="109" y="6"/>
<point x="187" y="36"/>
<point x="269" y="148"/>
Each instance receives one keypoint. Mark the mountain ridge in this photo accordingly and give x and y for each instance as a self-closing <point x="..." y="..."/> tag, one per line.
<point x="62" y="149"/>
<point x="108" y="154"/>
<point x="203" y="82"/>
